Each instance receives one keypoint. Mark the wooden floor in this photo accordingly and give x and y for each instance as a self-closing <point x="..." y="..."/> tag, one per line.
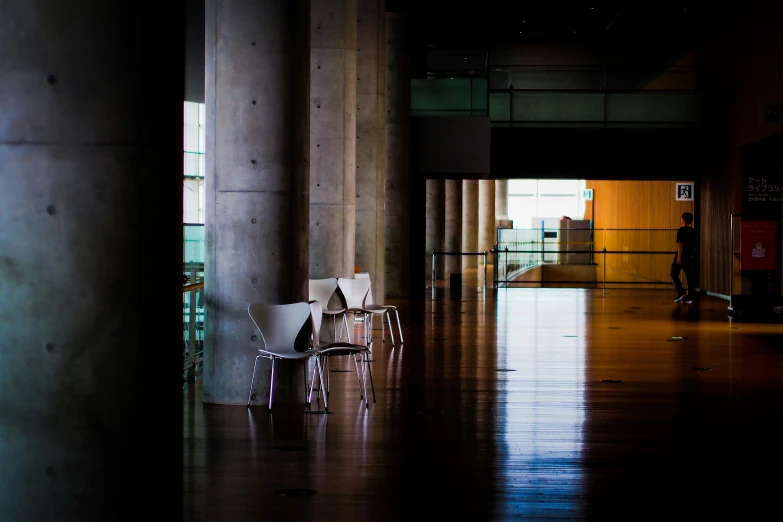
<point x="504" y="405"/>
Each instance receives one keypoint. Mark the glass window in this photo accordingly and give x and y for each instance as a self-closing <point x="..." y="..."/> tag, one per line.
<point x="191" y="200"/>
<point x="194" y="164"/>
<point x="531" y="200"/>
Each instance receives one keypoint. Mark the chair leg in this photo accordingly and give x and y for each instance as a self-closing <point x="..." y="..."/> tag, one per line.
<point x="347" y="330"/>
<point x="312" y="385"/>
<point x="325" y="366"/>
<point x="250" y="393"/>
<point x="383" y="332"/>
<point x="358" y="377"/>
<point x="399" y="328"/>
<point x="321" y="375"/>
<point x="272" y="383"/>
<point x="369" y="370"/>
<point x="334" y="327"/>
<point x="391" y="330"/>
<point x="304" y="375"/>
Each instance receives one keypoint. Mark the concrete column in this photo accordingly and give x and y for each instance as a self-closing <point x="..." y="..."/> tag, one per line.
<point x="397" y="155"/>
<point x="435" y="228"/>
<point x="371" y="142"/>
<point x="501" y="204"/>
<point x="91" y="120"/>
<point x="470" y="221"/>
<point x="332" y="138"/>
<point x="501" y="199"/>
<point x="453" y="225"/>
<point x="256" y="187"/>
<point x="487" y="229"/>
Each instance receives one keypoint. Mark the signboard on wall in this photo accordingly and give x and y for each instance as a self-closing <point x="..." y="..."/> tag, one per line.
<point x="683" y="191"/>
<point x="762" y="190"/>
<point x="762" y="179"/>
<point x="759" y="245"/>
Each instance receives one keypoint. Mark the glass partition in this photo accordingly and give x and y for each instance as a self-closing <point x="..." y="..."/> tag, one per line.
<point x="585" y="257"/>
<point x="192" y="331"/>
<point x="552" y="108"/>
<point x="449" y="97"/>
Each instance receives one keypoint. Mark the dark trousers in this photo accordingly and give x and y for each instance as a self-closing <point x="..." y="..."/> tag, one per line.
<point x="689" y="267"/>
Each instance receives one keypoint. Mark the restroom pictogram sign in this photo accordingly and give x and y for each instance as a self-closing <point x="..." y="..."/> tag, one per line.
<point x="759" y="245"/>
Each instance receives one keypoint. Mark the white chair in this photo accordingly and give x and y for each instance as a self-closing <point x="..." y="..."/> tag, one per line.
<point x="379" y="309"/>
<point x="337" y="349"/>
<point x="354" y="291"/>
<point x="279" y="326"/>
<point x="322" y="290"/>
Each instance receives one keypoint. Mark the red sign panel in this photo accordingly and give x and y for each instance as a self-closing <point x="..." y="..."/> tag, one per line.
<point x="759" y="245"/>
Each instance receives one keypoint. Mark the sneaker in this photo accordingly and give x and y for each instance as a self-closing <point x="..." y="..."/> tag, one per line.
<point x="778" y="309"/>
<point x="688" y="300"/>
<point x="683" y="296"/>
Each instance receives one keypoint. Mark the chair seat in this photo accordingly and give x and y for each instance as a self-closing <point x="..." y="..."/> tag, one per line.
<point x="340" y="348"/>
<point x="375" y="307"/>
<point x="333" y="311"/>
<point x="369" y="309"/>
<point x="286" y="352"/>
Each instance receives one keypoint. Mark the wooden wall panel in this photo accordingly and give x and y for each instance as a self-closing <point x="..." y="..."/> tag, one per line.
<point x="635" y="216"/>
<point x="741" y="70"/>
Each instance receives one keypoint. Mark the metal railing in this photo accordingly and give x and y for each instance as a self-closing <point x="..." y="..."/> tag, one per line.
<point x="681" y="78"/>
<point x="192" y="331"/>
<point x="435" y="254"/>
<point x="564" y="95"/>
<point x="595" y="257"/>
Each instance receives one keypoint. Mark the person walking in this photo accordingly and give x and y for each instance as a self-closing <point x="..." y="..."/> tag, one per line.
<point x="685" y="260"/>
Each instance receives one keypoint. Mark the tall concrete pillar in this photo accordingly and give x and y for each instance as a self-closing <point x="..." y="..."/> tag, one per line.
<point x="501" y="199"/>
<point x="91" y="122"/>
<point x="470" y="221"/>
<point x="435" y="232"/>
<point x="487" y="229"/>
<point x="371" y="142"/>
<point x="398" y="109"/>
<point x="256" y="186"/>
<point x="332" y="138"/>
<point x="453" y="225"/>
<point x="501" y="204"/>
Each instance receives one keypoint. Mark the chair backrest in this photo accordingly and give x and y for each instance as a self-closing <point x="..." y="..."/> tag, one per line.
<point x="316" y="316"/>
<point x="365" y="275"/>
<point x="354" y="291"/>
<point x="321" y="290"/>
<point x="279" y="324"/>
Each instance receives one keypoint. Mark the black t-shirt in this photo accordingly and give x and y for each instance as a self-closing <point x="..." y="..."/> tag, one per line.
<point x="687" y="236"/>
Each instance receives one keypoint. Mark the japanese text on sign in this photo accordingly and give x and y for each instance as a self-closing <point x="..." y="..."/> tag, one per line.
<point x="761" y="189"/>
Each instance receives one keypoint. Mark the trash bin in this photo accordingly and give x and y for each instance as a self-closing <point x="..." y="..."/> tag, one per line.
<point x="455" y="283"/>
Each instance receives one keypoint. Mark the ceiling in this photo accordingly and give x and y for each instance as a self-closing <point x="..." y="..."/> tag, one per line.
<point x="445" y="22"/>
<point x="448" y="34"/>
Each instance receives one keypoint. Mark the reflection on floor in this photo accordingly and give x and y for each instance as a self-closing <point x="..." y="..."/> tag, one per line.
<point x="516" y="404"/>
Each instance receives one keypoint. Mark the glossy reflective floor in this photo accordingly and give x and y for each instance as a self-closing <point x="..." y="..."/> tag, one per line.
<point x="506" y="405"/>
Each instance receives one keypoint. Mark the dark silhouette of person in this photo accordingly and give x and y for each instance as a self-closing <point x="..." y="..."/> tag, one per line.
<point x="685" y="260"/>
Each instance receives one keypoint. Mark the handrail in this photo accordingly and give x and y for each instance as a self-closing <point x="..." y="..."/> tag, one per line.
<point x="603" y="252"/>
<point x="602" y="90"/>
<point x="192" y="360"/>
<point x="585" y="251"/>
<point x="193" y="286"/>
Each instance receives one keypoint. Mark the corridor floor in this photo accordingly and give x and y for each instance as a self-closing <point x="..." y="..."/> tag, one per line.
<point x="516" y="404"/>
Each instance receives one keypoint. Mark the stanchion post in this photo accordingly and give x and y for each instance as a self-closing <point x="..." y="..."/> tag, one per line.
<point x="485" y="269"/>
<point x="433" y="273"/>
